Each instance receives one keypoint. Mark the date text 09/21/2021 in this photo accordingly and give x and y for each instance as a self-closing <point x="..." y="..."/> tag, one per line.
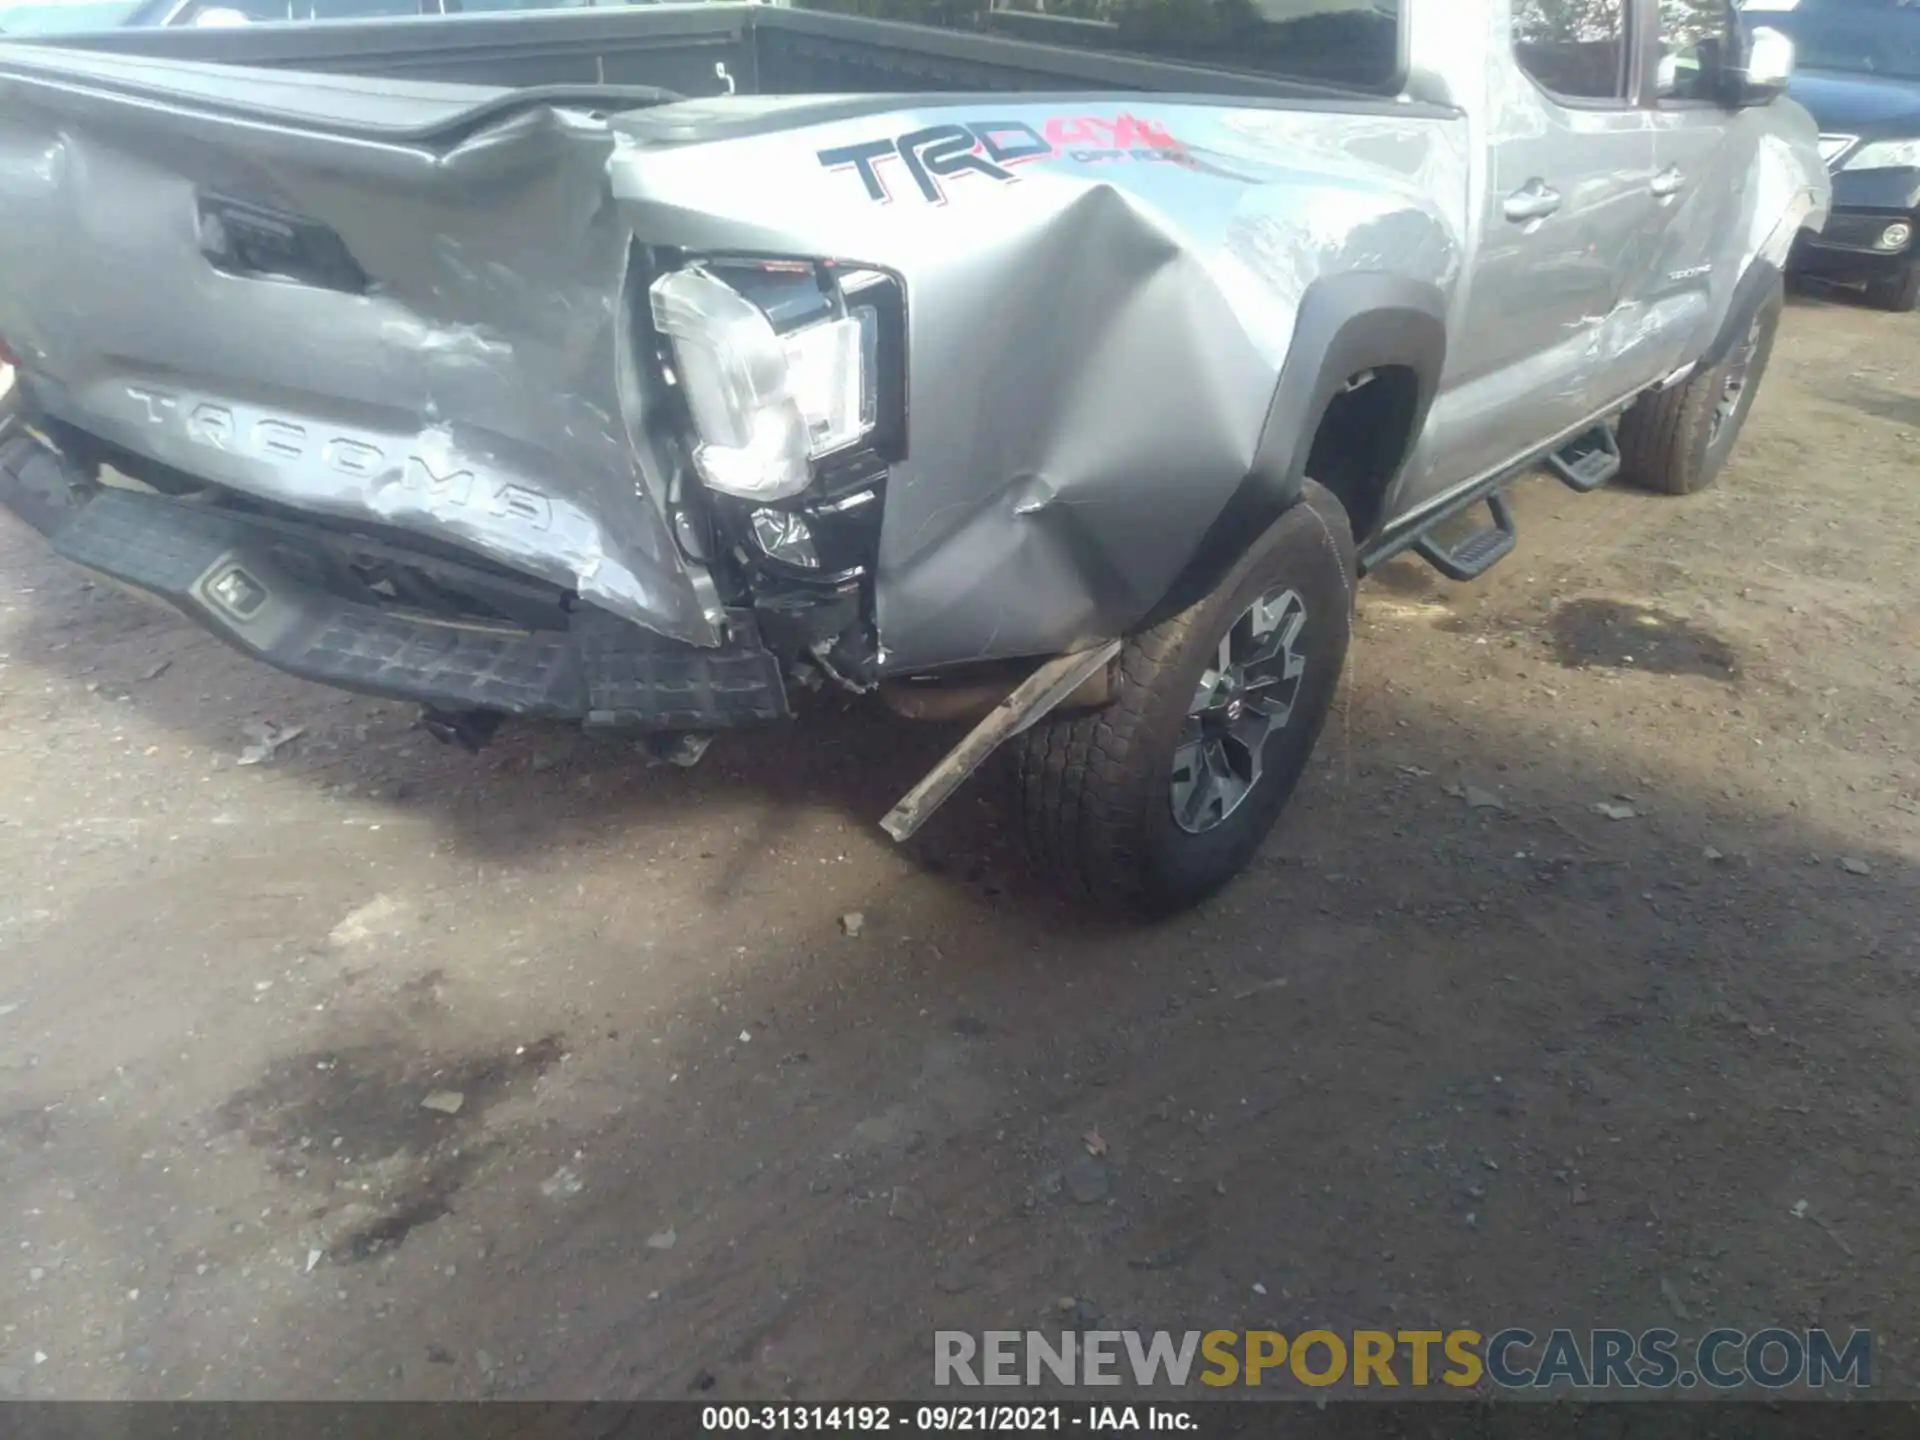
<point x="914" y="1419"/>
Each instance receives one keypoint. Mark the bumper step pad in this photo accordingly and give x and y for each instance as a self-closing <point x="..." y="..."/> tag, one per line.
<point x="638" y="680"/>
<point x="220" y="571"/>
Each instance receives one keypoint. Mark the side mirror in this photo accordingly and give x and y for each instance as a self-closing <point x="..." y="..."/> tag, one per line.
<point x="1769" y="67"/>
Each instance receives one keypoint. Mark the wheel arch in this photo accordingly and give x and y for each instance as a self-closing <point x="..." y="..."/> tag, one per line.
<point x="1347" y="326"/>
<point x="1761" y="280"/>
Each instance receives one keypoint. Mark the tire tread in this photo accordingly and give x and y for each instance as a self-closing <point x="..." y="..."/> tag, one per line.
<point x="1080" y="800"/>
<point x="1665" y="438"/>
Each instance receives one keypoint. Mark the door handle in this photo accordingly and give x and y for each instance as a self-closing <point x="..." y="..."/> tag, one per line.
<point x="1533" y="201"/>
<point x="1669" y="182"/>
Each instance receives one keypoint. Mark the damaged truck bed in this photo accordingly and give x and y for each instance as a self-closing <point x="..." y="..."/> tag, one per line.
<point x="628" y="367"/>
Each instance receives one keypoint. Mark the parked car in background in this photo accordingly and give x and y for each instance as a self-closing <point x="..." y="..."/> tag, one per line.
<point x="1859" y="76"/>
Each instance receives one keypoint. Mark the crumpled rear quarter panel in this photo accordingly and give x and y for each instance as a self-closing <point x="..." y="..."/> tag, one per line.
<point x="1096" y="335"/>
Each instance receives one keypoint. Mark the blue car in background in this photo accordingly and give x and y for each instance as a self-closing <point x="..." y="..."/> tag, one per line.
<point x="1858" y="74"/>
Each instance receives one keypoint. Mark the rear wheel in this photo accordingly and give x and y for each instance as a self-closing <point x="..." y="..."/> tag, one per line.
<point x="1155" y="802"/>
<point x="1899" y="291"/>
<point x="1678" y="441"/>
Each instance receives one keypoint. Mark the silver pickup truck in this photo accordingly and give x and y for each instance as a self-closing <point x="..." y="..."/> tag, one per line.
<point x="1056" y="369"/>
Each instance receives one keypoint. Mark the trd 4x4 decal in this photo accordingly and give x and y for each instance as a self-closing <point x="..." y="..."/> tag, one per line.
<point x="992" y="147"/>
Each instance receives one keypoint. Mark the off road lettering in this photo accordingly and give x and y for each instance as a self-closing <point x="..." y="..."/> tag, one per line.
<point x="991" y="148"/>
<point x="1123" y="132"/>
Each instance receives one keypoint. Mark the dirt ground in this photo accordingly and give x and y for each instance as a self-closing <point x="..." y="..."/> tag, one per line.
<point x="1432" y="1063"/>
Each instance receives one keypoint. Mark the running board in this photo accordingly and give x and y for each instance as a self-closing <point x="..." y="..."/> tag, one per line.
<point x="1479" y="552"/>
<point x="1588" y="461"/>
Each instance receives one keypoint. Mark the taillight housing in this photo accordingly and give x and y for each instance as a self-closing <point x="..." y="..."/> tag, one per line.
<point x="777" y="364"/>
<point x="6" y="355"/>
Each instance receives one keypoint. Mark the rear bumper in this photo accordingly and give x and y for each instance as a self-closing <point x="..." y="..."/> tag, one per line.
<point x="241" y="578"/>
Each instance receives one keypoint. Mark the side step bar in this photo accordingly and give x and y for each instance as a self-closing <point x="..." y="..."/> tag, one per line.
<point x="1588" y="461"/>
<point x="1583" y="464"/>
<point x="1479" y="552"/>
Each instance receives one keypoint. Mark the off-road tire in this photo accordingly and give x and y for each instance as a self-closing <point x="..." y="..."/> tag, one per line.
<point x="1092" y="790"/>
<point x="1898" y="292"/>
<point x="1667" y="440"/>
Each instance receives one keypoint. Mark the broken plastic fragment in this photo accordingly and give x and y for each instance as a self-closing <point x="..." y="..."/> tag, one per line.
<point x="267" y="740"/>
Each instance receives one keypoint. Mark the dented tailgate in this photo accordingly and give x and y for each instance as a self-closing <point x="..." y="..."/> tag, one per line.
<point x="370" y="299"/>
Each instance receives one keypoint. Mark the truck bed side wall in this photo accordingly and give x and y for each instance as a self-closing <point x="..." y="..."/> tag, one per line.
<point x="764" y="50"/>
